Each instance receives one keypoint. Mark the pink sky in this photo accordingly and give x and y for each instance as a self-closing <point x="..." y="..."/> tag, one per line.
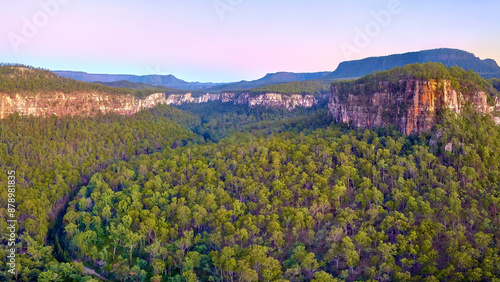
<point x="194" y="41"/>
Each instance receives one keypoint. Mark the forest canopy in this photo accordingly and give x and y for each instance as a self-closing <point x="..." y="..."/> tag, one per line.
<point x="221" y="192"/>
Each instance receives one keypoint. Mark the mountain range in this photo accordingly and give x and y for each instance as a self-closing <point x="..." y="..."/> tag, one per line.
<point x="271" y="79"/>
<point x="162" y="80"/>
<point x="487" y="68"/>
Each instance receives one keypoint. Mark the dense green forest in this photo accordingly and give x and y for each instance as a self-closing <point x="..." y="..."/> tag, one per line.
<point x="315" y="87"/>
<point x="333" y="204"/>
<point x="318" y="88"/>
<point x="495" y="82"/>
<point x="222" y="120"/>
<point x="53" y="157"/>
<point x="295" y="199"/>
<point x="132" y="85"/>
<point x="219" y="192"/>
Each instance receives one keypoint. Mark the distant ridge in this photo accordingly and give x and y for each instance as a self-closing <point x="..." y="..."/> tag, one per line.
<point x="449" y="57"/>
<point x="271" y="79"/>
<point x="161" y="80"/>
<point x="141" y="86"/>
<point x="132" y="85"/>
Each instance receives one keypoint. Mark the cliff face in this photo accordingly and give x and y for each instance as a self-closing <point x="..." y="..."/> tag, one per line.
<point x="227" y="97"/>
<point x="274" y="100"/>
<point x="277" y="100"/>
<point x="82" y="103"/>
<point x="85" y="103"/>
<point x="411" y="105"/>
<point x="496" y="108"/>
<point x="179" y="99"/>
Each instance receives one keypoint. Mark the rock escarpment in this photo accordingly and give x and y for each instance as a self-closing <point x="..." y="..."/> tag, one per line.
<point x="90" y="103"/>
<point x="278" y="100"/>
<point x="80" y="103"/>
<point x="179" y="99"/>
<point x="409" y="104"/>
<point x="37" y="92"/>
<point x="268" y="100"/>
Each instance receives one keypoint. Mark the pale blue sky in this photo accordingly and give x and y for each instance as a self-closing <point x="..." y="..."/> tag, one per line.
<point x="194" y="41"/>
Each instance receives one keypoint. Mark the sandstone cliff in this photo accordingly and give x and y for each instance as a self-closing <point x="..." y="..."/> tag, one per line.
<point x="30" y="91"/>
<point x="90" y="103"/>
<point x="80" y="103"/>
<point x="278" y="100"/>
<point x="409" y="104"/>
<point x="273" y="100"/>
<point x="179" y="99"/>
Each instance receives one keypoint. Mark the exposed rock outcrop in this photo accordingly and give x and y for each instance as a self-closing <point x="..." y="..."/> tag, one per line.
<point x="242" y="99"/>
<point x="277" y="100"/>
<point x="80" y="103"/>
<point x="179" y="99"/>
<point x="227" y="97"/>
<point x="411" y="104"/>
<point x="90" y="103"/>
<point x="274" y="100"/>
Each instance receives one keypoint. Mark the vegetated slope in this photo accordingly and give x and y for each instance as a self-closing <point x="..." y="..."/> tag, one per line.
<point x="132" y="85"/>
<point x="219" y="121"/>
<point x="15" y="78"/>
<point x="52" y="158"/>
<point x="270" y="79"/>
<point x="158" y="88"/>
<point x="495" y="82"/>
<point x="450" y="57"/>
<point x="461" y="80"/>
<point x="313" y="87"/>
<point x="354" y="205"/>
<point x="163" y="80"/>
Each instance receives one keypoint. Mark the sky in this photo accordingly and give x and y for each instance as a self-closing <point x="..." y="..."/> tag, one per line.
<point x="233" y="40"/>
